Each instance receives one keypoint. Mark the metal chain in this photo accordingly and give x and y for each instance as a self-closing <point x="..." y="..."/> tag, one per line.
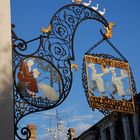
<point x="116" y="50"/>
<point x="113" y="47"/>
<point x="93" y="47"/>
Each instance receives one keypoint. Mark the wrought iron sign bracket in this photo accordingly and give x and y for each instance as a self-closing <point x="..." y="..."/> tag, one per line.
<point x="43" y="73"/>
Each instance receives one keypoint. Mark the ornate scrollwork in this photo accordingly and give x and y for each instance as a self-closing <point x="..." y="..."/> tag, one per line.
<point x="49" y="62"/>
<point x="20" y="44"/>
<point x="25" y="132"/>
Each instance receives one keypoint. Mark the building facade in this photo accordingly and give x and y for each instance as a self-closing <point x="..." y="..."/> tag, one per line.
<point x="118" y="126"/>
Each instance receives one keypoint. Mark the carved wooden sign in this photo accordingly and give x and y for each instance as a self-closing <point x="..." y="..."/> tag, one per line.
<point x="109" y="84"/>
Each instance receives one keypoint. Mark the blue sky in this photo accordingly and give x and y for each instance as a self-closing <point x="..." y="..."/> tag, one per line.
<point x="30" y="15"/>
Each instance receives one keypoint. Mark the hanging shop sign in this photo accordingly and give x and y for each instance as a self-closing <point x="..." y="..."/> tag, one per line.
<point x="109" y="84"/>
<point x="38" y="81"/>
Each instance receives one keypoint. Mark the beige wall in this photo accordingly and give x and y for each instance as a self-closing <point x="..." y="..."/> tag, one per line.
<point x="6" y="106"/>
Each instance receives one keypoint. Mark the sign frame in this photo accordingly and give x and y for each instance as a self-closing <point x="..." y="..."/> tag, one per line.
<point x="105" y="103"/>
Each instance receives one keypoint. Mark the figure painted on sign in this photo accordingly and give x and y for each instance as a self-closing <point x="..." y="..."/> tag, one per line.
<point x="98" y="82"/>
<point x="27" y="78"/>
<point x="32" y="92"/>
<point x="48" y="91"/>
<point x="117" y="82"/>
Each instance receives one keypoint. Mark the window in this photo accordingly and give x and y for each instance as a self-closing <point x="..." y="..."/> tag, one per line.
<point x="119" y="130"/>
<point x="107" y="134"/>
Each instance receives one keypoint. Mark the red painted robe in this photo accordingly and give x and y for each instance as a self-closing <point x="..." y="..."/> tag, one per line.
<point x="27" y="77"/>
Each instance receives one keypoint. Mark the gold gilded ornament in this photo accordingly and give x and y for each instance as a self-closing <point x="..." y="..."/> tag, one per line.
<point x="77" y="1"/>
<point x="74" y="66"/>
<point x="108" y="29"/>
<point x="46" y="30"/>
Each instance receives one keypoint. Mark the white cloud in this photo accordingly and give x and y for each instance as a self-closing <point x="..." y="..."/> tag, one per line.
<point x="49" y="137"/>
<point x="81" y="117"/>
<point x="43" y="126"/>
<point x="42" y="137"/>
<point x="69" y="116"/>
<point x="81" y="127"/>
<point x="70" y="109"/>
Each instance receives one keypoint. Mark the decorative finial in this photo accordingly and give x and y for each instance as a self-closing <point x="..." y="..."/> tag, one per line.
<point x="74" y="66"/>
<point x="102" y="12"/>
<point x="77" y="1"/>
<point x="108" y="29"/>
<point x="46" y="30"/>
<point x="95" y="7"/>
<point x="87" y="4"/>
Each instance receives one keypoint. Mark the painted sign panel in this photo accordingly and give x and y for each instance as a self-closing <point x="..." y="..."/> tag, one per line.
<point x="38" y="81"/>
<point x="109" y="84"/>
